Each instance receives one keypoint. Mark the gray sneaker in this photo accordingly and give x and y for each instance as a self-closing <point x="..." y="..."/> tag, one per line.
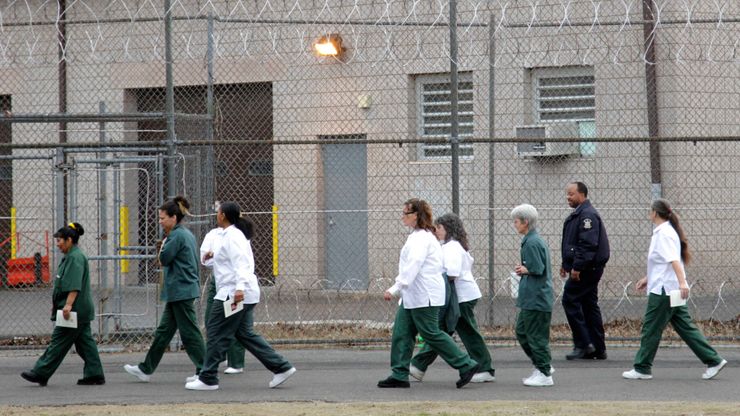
<point x="135" y="371"/>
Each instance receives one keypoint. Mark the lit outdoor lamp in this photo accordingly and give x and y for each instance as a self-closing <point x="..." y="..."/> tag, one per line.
<point x="329" y="45"/>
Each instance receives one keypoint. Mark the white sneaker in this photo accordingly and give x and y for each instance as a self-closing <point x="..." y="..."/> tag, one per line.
<point x="538" y="380"/>
<point x="416" y="373"/>
<point x="535" y="371"/>
<point x="232" y="370"/>
<point x="134" y="370"/>
<point x="482" y="377"/>
<point x="713" y="371"/>
<point x="280" y="378"/>
<point x="635" y="375"/>
<point x="199" y="385"/>
<point x="191" y="378"/>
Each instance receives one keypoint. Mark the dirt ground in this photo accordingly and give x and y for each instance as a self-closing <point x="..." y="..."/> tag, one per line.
<point x="387" y="409"/>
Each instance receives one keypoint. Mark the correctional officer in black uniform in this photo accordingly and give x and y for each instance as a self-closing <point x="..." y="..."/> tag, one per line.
<point x="585" y="251"/>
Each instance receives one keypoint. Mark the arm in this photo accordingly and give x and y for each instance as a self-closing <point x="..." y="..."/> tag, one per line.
<point x="240" y="251"/>
<point x="71" y="296"/>
<point x="170" y="248"/>
<point x="533" y="262"/>
<point x="587" y="243"/>
<point x="453" y="253"/>
<point x="206" y="250"/>
<point x="416" y="254"/>
<point x="683" y="286"/>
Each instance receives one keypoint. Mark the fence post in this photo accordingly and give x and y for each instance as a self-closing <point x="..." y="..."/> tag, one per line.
<point x="102" y="226"/>
<point x="169" y="101"/>
<point x="491" y="156"/>
<point x="454" y="123"/>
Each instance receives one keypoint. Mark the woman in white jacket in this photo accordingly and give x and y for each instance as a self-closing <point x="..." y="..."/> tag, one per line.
<point x="458" y="266"/>
<point x="422" y="289"/>
<point x="669" y="251"/>
<point x="233" y="269"/>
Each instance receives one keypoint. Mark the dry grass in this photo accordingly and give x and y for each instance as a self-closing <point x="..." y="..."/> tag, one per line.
<point x="398" y="408"/>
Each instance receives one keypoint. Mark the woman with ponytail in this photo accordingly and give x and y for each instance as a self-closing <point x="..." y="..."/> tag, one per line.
<point x="233" y="270"/>
<point x="181" y="286"/>
<point x="71" y="295"/>
<point x="668" y="253"/>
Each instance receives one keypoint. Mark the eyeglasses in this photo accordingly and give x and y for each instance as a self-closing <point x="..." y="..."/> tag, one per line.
<point x="409" y="213"/>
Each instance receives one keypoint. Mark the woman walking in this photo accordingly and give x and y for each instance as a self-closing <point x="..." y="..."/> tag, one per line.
<point x="667" y="255"/>
<point x="458" y="266"/>
<point x="71" y="295"/>
<point x="535" y="296"/>
<point x="233" y="269"/>
<point x="420" y="284"/>
<point x="179" y="259"/>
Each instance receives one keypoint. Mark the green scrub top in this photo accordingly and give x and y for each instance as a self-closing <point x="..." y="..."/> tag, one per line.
<point x="535" y="288"/>
<point x="179" y="259"/>
<point x="74" y="275"/>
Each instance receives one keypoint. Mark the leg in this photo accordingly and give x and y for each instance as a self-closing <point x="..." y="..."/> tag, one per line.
<point x="87" y="349"/>
<point x="257" y="346"/>
<point x="592" y="312"/>
<point x="162" y="337"/>
<point x="187" y="324"/>
<point x="657" y="315"/>
<point x="690" y="334"/>
<point x="536" y="326"/>
<point x="572" y="305"/>
<point x="209" y="299"/>
<point x="424" y="358"/>
<point x="221" y="332"/>
<point x="402" y="344"/>
<point x="521" y="334"/>
<point x="61" y="341"/>
<point x="425" y="321"/>
<point x="235" y="355"/>
<point x="467" y="329"/>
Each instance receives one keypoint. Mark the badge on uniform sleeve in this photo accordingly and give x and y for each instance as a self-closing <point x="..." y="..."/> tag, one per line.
<point x="587" y="223"/>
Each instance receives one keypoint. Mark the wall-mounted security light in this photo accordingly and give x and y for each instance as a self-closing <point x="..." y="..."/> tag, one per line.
<point x="329" y="45"/>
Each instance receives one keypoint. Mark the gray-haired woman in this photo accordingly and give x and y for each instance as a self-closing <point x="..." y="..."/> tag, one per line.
<point x="535" y="296"/>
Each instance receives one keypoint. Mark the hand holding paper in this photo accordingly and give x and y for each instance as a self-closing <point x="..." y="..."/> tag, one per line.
<point x="231" y="307"/>
<point x="676" y="298"/>
<point x="66" y="323"/>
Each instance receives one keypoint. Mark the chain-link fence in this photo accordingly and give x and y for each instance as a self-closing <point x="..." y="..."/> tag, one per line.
<point x="111" y="107"/>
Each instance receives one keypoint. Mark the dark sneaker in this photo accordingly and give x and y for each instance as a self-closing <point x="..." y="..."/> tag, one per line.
<point x="467" y="376"/>
<point x="579" y="353"/>
<point x="595" y="356"/>
<point x="91" y="381"/>
<point x="392" y="383"/>
<point x="34" y="378"/>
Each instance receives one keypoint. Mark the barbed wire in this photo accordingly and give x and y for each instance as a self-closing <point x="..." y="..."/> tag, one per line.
<point x="562" y="32"/>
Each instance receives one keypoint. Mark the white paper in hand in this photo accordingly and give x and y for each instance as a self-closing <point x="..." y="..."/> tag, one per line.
<point x="676" y="298"/>
<point x="231" y="308"/>
<point x="67" y="323"/>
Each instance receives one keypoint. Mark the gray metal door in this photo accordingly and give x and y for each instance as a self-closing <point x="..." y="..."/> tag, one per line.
<point x="345" y="219"/>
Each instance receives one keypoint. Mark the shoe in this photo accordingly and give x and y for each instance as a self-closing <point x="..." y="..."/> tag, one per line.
<point x="199" y="385"/>
<point x="538" y="380"/>
<point x="232" y="370"/>
<point x="636" y="375"/>
<point x="467" y="376"/>
<point x="91" y="381"/>
<point x="191" y="378"/>
<point x="595" y="356"/>
<point x="416" y="373"/>
<point x="135" y="371"/>
<point x="535" y="371"/>
<point x="280" y="378"/>
<point x="578" y="353"/>
<point x="713" y="371"/>
<point x="392" y="383"/>
<point x="34" y="378"/>
<point x="482" y="377"/>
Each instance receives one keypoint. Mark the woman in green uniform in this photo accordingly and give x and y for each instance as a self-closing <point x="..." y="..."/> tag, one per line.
<point x="71" y="294"/>
<point x="535" y="296"/>
<point x="179" y="259"/>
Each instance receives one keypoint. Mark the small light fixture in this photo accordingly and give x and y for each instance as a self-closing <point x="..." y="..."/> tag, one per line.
<point x="329" y="45"/>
